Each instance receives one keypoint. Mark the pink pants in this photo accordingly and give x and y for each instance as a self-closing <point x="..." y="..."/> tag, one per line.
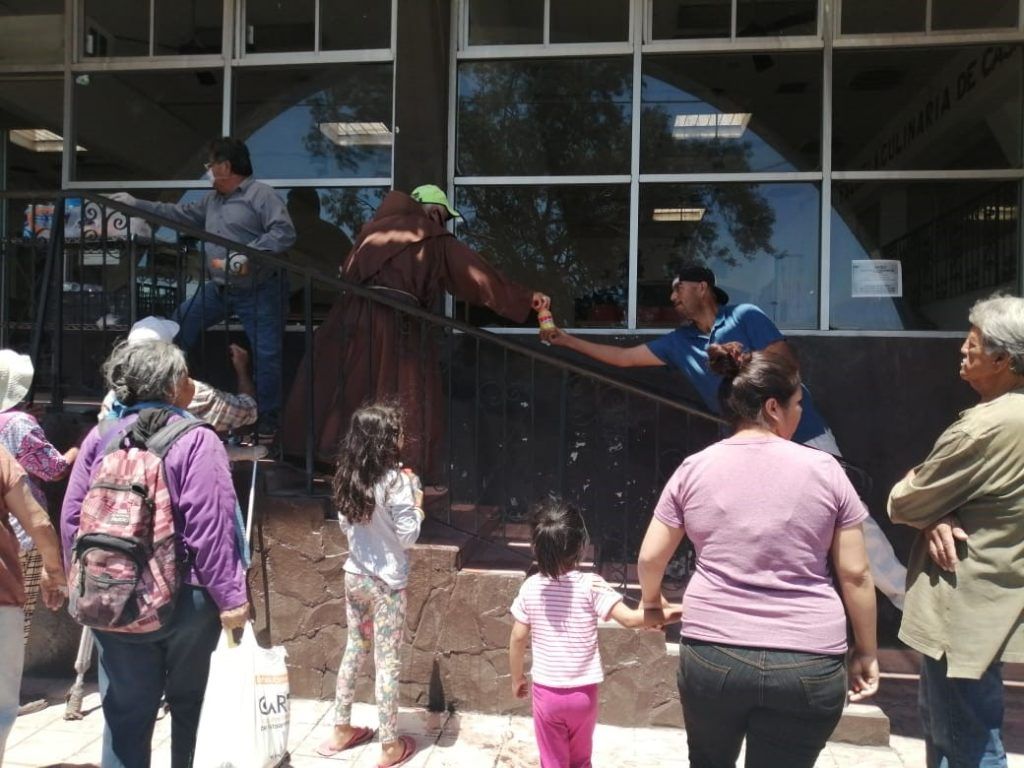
<point x="563" y="721"/>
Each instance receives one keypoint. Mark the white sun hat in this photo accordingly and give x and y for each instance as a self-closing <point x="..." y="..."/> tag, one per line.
<point x="16" y="373"/>
<point x="153" y="328"/>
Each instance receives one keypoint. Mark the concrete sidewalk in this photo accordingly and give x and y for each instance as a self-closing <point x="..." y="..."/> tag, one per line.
<point x="463" y="740"/>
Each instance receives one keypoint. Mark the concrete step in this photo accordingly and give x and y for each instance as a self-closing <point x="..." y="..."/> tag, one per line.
<point x="863" y="724"/>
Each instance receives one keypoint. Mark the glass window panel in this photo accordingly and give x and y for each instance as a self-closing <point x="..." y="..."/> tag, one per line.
<point x="31" y="113"/>
<point x="954" y="241"/>
<point x="865" y="17"/>
<point x="977" y="14"/>
<point x="316" y="122"/>
<point x="589" y="21"/>
<point x="732" y="112"/>
<point x="327" y="221"/>
<point x="927" y="108"/>
<point x="673" y="19"/>
<point x="761" y="240"/>
<point x="572" y="242"/>
<point x="498" y="22"/>
<point x="275" y="25"/>
<point x="146" y="125"/>
<point x="347" y="25"/>
<point x="542" y="116"/>
<point x="32" y="32"/>
<point x="759" y="18"/>
<point x="192" y="27"/>
<point x="116" y="28"/>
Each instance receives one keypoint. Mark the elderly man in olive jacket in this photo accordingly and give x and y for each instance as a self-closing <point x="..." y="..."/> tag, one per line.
<point x="965" y="582"/>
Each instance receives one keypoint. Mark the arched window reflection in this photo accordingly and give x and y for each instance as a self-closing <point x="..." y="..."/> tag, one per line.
<point x="316" y="122"/>
<point x="731" y="113"/>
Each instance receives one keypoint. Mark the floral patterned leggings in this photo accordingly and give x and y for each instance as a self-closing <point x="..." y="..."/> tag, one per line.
<point x="372" y="604"/>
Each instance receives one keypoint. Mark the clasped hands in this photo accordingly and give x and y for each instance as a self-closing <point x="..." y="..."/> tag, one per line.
<point x="657" y="615"/>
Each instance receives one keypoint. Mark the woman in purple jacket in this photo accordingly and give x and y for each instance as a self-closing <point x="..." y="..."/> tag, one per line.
<point x="136" y="670"/>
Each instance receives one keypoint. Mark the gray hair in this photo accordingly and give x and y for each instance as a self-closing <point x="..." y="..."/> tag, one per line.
<point x="145" y="370"/>
<point x="1000" y="319"/>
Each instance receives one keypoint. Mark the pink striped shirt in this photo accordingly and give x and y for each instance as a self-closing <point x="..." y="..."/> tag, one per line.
<point x="562" y="615"/>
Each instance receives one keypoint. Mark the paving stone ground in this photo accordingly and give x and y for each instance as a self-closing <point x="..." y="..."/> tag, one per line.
<point x="464" y="740"/>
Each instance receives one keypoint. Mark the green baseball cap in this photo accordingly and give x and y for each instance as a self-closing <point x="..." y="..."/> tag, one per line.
<point x="431" y="193"/>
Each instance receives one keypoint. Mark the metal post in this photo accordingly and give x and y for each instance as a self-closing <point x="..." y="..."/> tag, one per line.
<point x="307" y="337"/>
<point x="53" y="251"/>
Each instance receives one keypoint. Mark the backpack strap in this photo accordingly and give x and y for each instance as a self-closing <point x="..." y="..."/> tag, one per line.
<point x="161" y="441"/>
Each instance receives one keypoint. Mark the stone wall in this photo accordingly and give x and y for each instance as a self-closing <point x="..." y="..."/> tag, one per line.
<point x="455" y="651"/>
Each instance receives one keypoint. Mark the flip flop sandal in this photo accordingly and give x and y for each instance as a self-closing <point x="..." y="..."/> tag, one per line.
<point x="359" y="736"/>
<point x="408" y="750"/>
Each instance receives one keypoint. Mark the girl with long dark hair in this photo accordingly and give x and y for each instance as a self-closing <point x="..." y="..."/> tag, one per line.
<point x="380" y="508"/>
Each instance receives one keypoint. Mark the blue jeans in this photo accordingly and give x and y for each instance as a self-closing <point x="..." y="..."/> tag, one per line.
<point x="262" y="312"/>
<point x="785" y="703"/>
<point x="962" y="719"/>
<point x="137" y="670"/>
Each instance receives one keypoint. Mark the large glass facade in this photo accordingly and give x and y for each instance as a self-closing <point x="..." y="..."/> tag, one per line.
<point x="852" y="165"/>
<point x="892" y="210"/>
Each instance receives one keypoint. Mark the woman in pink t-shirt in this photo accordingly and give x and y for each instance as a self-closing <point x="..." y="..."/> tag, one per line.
<point x="558" y="609"/>
<point x="774" y="524"/>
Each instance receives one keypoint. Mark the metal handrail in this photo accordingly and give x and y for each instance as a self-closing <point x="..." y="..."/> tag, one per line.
<point x="564" y="373"/>
<point x="378" y="297"/>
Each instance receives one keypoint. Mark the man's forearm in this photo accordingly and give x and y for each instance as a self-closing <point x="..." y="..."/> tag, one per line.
<point x="604" y="353"/>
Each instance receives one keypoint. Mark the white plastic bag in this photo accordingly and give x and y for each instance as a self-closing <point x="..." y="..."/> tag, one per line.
<point x="244" y="722"/>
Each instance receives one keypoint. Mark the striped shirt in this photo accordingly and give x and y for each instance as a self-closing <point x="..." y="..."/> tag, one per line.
<point x="562" y="615"/>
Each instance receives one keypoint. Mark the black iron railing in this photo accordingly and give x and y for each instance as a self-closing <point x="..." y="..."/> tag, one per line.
<point x="522" y="422"/>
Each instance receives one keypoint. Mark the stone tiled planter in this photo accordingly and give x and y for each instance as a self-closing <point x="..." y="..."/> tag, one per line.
<point x="455" y="650"/>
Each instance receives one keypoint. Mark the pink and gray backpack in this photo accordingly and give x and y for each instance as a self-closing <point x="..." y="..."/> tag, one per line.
<point x="129" y="559"/>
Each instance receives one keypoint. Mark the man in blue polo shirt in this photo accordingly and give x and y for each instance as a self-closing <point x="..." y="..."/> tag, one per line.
<point x="710" y="319"/>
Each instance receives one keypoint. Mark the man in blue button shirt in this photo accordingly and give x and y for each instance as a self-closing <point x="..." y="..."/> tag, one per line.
<point x="710" y="319"/>
<point x="247" y="211"/>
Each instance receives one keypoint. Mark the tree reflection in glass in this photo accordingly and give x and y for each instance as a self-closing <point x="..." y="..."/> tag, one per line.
<point x="572" y="242"/>
<point x="544" y="116"/>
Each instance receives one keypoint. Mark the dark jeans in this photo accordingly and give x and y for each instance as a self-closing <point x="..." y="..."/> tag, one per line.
<point x="962" y="719"/>
<point x="785" y="703"/>
<point x="262" y="312"/>
<point x="136" y="670"/>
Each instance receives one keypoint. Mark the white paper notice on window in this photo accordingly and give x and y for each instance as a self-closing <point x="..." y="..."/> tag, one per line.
<point x="876" y="278"/>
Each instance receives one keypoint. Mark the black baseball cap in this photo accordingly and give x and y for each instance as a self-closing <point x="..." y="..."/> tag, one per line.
<point x="695" y="273"/>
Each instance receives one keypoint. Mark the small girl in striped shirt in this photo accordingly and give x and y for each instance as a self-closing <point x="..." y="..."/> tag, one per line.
<point x="558" y="609"/>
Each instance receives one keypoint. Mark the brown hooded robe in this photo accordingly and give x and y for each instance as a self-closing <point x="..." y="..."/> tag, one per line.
<point x="365" y="352"/>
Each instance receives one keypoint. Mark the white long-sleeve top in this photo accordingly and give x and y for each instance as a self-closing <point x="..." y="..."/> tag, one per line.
<point x="378" y="546"/>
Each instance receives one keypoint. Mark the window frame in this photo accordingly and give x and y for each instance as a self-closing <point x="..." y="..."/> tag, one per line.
<point x="826" y="41"/>
<point x="926" y="36"/>
<point x="230" y="60"/>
